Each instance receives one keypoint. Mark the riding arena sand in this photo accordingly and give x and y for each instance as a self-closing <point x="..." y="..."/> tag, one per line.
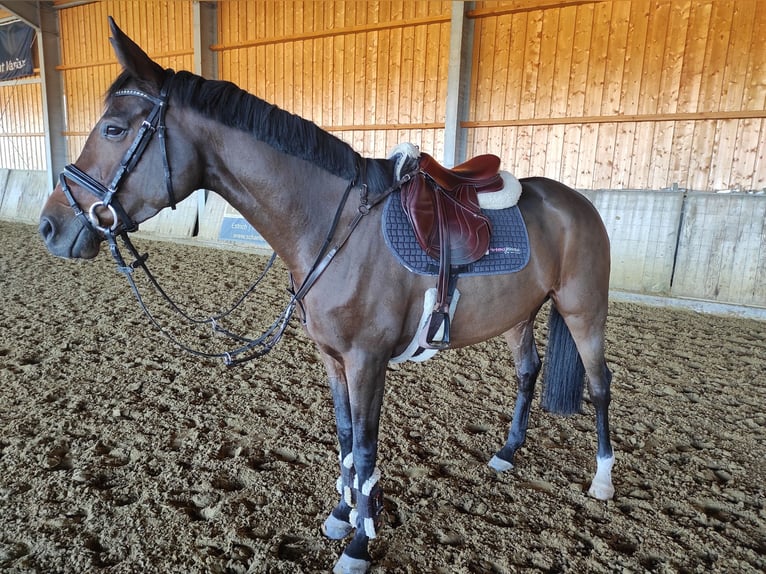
<point x="121" y="454"/>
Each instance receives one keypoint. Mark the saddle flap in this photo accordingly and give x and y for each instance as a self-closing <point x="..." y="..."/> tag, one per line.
<point x="468" y="230"/>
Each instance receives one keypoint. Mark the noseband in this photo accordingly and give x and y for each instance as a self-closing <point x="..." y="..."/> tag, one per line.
<point x="121" y="221"/>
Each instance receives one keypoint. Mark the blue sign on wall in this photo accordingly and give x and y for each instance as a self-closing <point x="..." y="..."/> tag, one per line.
<point x="235" y="228"/>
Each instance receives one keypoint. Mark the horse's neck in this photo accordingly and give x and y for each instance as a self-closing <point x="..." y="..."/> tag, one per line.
<point x="289" y="201"/>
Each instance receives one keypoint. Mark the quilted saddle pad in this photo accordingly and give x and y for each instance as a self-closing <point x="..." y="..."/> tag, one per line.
<point x="508" y="249"/>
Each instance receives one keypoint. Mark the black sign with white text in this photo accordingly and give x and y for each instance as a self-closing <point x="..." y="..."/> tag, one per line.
<point x="16" y="50"/>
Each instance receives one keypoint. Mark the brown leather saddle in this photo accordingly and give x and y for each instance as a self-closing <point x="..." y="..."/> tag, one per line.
<point x="443" y="207"/>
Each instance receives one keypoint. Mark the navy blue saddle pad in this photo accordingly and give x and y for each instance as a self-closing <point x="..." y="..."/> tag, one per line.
<point x="508" y="249"/>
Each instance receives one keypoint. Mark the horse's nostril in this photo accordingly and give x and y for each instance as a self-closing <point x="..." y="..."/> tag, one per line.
<point x="46" y="228"/>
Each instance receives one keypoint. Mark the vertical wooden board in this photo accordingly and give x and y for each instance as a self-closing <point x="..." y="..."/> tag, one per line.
<point x="596" y="77"/>
<point x="636" y="48"/>
<point x="543" y="88"/>
<point x="407" y="76"/>
<point x="345" y="18"/>
<point x="563" y="62"/>
<point x="581" y="47"/>
<point x="643" y="157"/>
<point x="694" y="57"/>
<point x="386" y="54"/>
<point x="443" y="74"/>
<point x="724" y="155"/>
<point x="658" y="160"/>
<point x="622" y="167"/>
<point x="531" y="63"/>
<point x="498" y="87"/>
<point x="482" y="96"/>
<point x="673" y="22"/>
<point x="586" y="156"/>
<point x="419" y="73"/>
<point x="523" y="155"/>
<point x="513" y="80"/>
<point x="615" y="60"/>
<point x="740" y="42"/>
<point x="539" y="153"/>
<point x="554" y="152"/>
<point x="754" y="97"/>
<point x="701" y="156"/>
<point x="744" y="171"/>
<point x="569" y="154"/>
<point x="604" y="160"/>
<point x="680" y="166"/>
<point x="507" y="147"/>
<point x="715" y="57"/>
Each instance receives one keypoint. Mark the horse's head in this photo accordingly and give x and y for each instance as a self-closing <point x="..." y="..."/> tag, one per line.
<point x="123" y="175"/>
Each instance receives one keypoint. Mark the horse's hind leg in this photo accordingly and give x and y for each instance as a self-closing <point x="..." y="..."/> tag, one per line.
<point x="588" y="333"/>
<point x="527" y="362"/>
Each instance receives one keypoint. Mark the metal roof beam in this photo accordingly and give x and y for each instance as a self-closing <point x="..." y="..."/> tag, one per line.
<point x="27" y="11"/>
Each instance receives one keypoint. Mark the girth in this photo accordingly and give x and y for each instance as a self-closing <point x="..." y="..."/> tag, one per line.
<point x="443" y="207"/>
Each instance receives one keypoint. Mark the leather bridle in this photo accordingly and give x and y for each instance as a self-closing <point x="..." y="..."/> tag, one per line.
<point x="107" y="195"/>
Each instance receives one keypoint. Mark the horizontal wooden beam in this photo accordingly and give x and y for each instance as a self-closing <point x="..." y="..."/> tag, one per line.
<point x="526" y="6"/>
<point x="155" y="57"/>
<point x="332" y="32"/>
<point x="618" y="119"/>
<point x="679" y="117"/>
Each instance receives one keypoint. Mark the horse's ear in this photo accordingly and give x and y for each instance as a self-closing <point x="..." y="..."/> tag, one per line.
<point x="133" y="58"/>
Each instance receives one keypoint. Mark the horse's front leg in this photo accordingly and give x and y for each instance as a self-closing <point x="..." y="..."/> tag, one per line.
<point x="365" y="377"/>
<point x="338" y="524"/>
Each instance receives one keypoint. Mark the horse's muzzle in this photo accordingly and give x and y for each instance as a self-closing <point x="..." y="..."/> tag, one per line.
<point x="68" y="238"/>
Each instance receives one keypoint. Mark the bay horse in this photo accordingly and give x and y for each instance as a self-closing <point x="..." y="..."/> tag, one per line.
<point x="287" y="177"/>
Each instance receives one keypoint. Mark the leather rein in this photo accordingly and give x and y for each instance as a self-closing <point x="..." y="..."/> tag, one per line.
<point x="247" y="349"/>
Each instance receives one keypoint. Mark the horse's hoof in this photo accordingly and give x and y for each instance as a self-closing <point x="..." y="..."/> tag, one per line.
<point x="499" y="464"/>
<point x="601" y="487"/>
<point x="348" y="565"/>
<point x="601" y="491"/>
<point x="336" y="529"/>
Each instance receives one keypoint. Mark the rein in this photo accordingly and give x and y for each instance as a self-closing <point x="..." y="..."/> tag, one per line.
<point x="122" y="224"/>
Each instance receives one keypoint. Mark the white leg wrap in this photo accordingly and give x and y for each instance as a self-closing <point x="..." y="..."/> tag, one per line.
<point x="336" y="529"/>
<point x="348" y="565"/>
<point x="369" y="483"/>
<point x="498" y="464"/>
<point x="601" y="487"/>
<point x="345" y="490"/>
<point x="372" y="506"/>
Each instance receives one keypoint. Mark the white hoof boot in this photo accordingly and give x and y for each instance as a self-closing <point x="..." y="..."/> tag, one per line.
<point x="336" y="529"/>
<point x="348" y="565"/>
<point x="500" y="465"/>
<point x="601" y="488"/>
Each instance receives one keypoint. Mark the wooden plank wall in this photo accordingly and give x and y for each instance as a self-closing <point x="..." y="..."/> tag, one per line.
<point x="163" y="29"/>
<point x="22" y="143"/>
<point x="372" y="73"/>
<point x="22" y="137"/>
<point x="624" y="94"/>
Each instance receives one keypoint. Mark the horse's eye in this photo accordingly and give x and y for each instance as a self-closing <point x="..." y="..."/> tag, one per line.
<point x="111" y="131"/>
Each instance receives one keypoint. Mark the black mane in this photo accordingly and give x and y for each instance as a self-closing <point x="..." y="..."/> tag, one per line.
<point x="232" y="106"/>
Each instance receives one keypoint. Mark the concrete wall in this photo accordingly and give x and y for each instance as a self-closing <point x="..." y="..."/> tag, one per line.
<point x="22" y="194"/>
<point x="698" y="245"/>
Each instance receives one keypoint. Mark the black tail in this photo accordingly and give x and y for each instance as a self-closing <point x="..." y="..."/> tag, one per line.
<point x="564" y="373"/>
